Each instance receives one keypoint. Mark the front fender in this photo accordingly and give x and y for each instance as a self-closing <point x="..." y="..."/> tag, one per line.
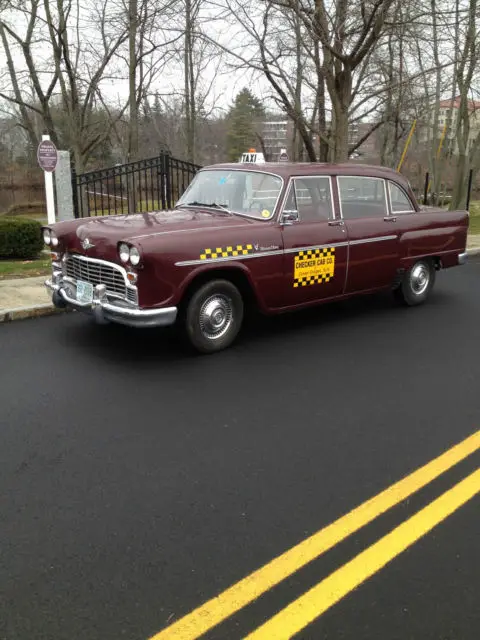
<point x="202" y="273"/>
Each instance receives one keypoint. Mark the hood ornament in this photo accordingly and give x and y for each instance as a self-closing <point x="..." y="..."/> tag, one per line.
<point x="86" y="244"/>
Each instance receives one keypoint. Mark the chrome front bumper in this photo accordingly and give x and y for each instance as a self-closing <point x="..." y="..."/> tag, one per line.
<point x="462" y="258"/>
<point x="104" y="310"/>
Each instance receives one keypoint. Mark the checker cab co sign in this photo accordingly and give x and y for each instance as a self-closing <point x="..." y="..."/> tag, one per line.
<point x="280" y="236"/>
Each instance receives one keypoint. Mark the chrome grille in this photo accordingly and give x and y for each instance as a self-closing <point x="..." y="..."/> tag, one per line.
<point x="132" y="295"/>
<point x="98" y="272"/>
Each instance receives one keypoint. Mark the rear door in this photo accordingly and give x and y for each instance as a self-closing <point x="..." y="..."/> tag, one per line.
<point x="372" y="233"/>
<point x="315" y="242"/>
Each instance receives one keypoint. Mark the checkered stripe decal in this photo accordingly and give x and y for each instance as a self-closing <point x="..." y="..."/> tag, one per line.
<point x="232" y="251"/>
<point x="313" y="266"/>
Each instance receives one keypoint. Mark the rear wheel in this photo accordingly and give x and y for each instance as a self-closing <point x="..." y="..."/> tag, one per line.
<point x="214" y="316"/>
<point x="416" y="284"/>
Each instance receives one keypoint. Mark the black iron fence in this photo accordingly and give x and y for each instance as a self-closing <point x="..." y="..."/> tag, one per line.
<point x="425" y="195"/>
<point x="146" y="185"/>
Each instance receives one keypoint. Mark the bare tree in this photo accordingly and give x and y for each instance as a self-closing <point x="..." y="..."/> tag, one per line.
<point x="151" y="46"/>
<point x="464" y="75"/>
<point x="191" y="8"/>
<point x="337" y="41"/>
<point x="53" y="46"/>
<point x="347" y="32"/>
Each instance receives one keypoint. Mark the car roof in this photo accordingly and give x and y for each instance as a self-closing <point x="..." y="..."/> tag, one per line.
<point x="288" y="169"/>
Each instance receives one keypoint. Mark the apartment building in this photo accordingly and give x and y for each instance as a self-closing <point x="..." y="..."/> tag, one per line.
<point x="447" y="120"/>
<point x="277" y="135"/>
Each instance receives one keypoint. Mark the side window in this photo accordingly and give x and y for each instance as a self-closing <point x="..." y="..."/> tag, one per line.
<point x="362" y="197"/>
<point x="313" y="198"/>
<point x="399" y="199"/>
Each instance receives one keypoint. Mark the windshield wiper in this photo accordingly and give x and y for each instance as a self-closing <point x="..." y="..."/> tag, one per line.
<point x="212" y="205"/>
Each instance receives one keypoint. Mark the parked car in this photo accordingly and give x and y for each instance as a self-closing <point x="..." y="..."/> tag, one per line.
<point x="283" y="236"/>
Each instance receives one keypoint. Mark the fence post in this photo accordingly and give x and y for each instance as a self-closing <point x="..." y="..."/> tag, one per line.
<point x="76" y="211"/>
<point x="469" y="189"/>
<point x="168" y="181"/>
<point x="425" y="191"/>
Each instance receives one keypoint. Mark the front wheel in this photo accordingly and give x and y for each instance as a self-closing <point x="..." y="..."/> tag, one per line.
<point x="213" y="316"/>
<point x="416" y="284"/>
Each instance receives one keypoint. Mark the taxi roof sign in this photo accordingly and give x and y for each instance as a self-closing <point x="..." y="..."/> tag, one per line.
<point x="252" y="157"/>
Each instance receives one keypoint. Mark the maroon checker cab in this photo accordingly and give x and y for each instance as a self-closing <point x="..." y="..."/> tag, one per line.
<point x="281" y="236"/>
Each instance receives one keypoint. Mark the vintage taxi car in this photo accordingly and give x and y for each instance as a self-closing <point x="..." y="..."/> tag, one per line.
<point x="282" y="236"/>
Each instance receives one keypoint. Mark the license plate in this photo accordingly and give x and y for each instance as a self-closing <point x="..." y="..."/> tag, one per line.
<point x="84" y="292"/>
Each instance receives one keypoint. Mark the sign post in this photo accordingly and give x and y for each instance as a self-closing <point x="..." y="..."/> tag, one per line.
<point x="47" y="157"/>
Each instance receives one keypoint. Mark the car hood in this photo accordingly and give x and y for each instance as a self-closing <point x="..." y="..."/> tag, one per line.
<point x="104" y="233"/>
<point x="130" y="227"/>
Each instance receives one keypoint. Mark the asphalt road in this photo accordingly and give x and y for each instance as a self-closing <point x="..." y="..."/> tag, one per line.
<point x="138" y="481"/>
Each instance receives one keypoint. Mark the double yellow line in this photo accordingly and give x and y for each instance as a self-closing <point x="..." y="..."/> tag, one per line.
<point x="329" y="591"/>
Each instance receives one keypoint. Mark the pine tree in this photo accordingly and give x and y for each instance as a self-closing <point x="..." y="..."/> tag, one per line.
<point x="243" y="119"/>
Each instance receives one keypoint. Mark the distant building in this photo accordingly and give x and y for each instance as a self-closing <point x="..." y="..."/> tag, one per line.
<point x="277" y="135"/>
<point x="368" y="149"/>
<point x="447" y="119"/>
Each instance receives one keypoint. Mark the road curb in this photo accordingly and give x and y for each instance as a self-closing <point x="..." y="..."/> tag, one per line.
<point x="22" y="313"/>
<point x="47" y="309"/>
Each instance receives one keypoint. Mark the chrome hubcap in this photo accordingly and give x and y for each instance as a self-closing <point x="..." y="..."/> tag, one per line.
<point x="216" y="316"/>
<point x="419" y="279"/>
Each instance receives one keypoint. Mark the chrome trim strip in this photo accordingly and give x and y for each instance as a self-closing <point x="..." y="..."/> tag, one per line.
<point x="261" y="254"/>
<point x="368" y="240"/>
<point x="332" y="245"/>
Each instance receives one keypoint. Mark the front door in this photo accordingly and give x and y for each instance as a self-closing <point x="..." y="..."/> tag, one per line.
<point x="372" y="233"/>
<point x="315" y="242"/>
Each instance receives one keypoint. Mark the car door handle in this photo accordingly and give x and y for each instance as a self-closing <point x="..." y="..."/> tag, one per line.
<point x="390" y="219"/>
<point x="336" y="223"/>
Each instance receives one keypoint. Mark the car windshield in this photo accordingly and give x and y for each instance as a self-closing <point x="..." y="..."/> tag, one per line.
<point x="249" y="193"/>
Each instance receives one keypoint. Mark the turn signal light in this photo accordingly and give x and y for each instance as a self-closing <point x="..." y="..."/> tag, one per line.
<point x="132" y="277"/>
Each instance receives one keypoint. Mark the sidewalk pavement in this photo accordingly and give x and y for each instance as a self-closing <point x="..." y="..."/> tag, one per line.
<point x="24" y="298"/>
<point x="28" y="297"/>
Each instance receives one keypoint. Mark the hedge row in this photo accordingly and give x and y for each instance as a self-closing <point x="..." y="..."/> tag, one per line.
<point x="20" y="238"/>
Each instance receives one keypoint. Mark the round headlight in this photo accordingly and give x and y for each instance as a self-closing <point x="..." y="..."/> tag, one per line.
<point x="53" y="239"/>
<point x="134" y="256"/>
<point x="124" y="252"/>
<point x="46" y="236"/>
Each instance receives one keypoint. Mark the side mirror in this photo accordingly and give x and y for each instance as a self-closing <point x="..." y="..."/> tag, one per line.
<point x="289" y="216"/>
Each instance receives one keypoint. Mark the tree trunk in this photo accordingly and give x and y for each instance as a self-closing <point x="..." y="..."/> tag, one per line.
<point x="340" y="152"/>
<point x="341" y="89"/>
<point x="459" y="195"/>
<point x="465" y="71"/>
<point x="436" y="134"/>
<point x="132" y="152"/>
<point x="189" y="82"/>
<point x="322" y="121"/>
